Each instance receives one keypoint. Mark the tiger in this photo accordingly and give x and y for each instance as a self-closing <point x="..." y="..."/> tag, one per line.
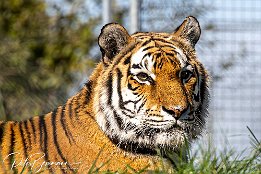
<point x="148" y="93"/>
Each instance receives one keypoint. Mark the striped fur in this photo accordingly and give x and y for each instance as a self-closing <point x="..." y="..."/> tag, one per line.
<point x="149" y="93"/>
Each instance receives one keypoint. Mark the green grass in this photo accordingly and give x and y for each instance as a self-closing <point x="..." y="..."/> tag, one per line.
<point x="206" y="160"/>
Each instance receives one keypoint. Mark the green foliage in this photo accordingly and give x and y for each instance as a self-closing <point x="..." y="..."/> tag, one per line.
<point x="40" y="55"/>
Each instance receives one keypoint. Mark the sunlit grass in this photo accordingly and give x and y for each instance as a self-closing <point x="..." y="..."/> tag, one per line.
<point x="206" y="160"/>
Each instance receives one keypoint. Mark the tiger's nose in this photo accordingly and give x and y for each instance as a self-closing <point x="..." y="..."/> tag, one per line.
<point x="178" y="112"/>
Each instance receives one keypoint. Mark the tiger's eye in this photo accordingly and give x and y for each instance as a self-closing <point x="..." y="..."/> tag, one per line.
<point x="143" y="76"/>
<point x="185" y="75"/>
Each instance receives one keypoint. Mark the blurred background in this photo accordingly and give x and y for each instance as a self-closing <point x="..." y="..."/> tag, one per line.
<point x="48" y="49"/>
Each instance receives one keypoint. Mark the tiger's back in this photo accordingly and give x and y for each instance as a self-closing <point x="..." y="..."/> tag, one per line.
<point x="149" y="92"/>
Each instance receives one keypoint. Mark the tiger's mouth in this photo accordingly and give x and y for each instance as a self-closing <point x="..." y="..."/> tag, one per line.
<point x="159" y="124"/>
<point x="165" y="126"/>
<point x="158" y="121"/>
<point x="149" y="129"/>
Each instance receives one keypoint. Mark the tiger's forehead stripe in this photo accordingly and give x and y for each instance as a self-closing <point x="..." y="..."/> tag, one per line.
<point x="144" y="58"/>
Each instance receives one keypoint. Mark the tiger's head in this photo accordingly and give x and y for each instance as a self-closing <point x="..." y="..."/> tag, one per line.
<point x="153" y="91"/>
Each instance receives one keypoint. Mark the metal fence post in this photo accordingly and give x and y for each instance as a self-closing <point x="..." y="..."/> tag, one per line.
<point x="106" y="11"/>
<point x="134" y="15"/>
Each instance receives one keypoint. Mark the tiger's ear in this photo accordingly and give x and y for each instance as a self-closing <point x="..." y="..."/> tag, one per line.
<point x="112" y="39"/>
<point x="189" y="30"/>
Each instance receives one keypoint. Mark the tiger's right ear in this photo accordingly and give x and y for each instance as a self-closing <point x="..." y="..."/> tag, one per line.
<point x="112" y="39"/>
<point x="189" y="30"/>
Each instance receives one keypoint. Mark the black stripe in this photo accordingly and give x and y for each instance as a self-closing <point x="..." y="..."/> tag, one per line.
<point x="128" y="72"/>
<point x="128" y="101"/>
<point x="119" y="77"/>
<point x="136" y="66"/>
<point x="125" y="113"/>
<point x="11" y="149"/>
<point x="197" y="96"/>
<point x="130" y="126"/>
<point x="27" y="133"/>
<point x="144" y="49"/>
<point x="88" y="92"/>
<point x="133" y="147"/>
<point x="203" y="84"/>
<point x="186" y="94"/>
<point x="107" y="124"/>
<point x="43" y="139"/>
<point x="119" y="120"/>
<point x="135" y="93"/>
<point x="67" y="132"/>
<point x="163" y="40"/>
<point x="23" y="139"/>
<point x="2" y="126"/>
<point x="41" y="131"/>
<point x="169" y="54"/>
<point x="173" y="62"/>
<point x="131" y="88"/>
<point x="146" y="42"/>
<point x="160" y="64"/>
<point x="137" y="101"/>
<point x="142" y="104"/>
<point x="145" y="55"/>
<point x="33" y="127"/>
<point x="155" y="66"/>
<point x="204" y="94"/>
<point x="109" y="89"/>
<point x="77" y="108"/>
<point x="70" y="109"/>
<point x="54" y="114"/>
<point x="139" y="94"/>
<point x="157" y="55"/>
<point x="121" y="103"/>
<point x="127" y="60"/>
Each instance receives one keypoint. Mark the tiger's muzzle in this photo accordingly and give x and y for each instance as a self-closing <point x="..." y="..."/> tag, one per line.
<point x="180" y="114"/>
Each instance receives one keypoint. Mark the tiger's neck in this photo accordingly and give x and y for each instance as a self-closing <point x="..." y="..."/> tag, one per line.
<point x="84" y="98"/>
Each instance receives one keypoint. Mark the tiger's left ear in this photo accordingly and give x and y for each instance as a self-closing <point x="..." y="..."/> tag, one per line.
<point x="112" y="39"/>
<point x="189" y="30"/>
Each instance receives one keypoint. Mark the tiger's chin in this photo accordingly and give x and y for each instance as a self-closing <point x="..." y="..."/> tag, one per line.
<point x="149" y="139"/>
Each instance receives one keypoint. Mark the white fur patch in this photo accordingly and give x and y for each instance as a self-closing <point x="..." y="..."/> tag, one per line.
<point x="137" y="58"/>
<point x="181" y="57"/>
